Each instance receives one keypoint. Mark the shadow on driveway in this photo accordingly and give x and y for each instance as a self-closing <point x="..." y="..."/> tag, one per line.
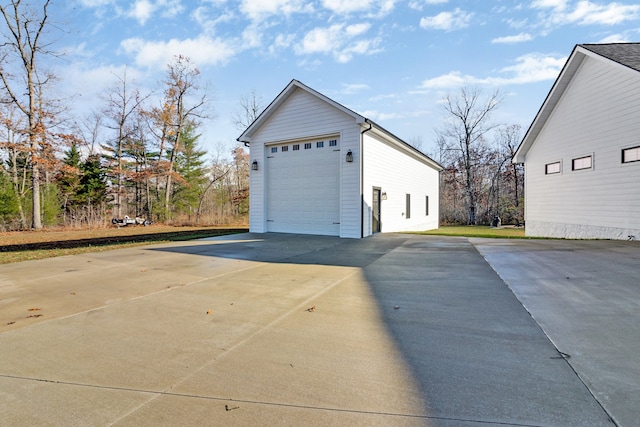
<point x="475" y="353"/>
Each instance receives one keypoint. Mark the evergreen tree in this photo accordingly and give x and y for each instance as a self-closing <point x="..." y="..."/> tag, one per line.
<point x="69" y="179"/>
<point x="192" y="173"/>
<point x="93" y="182"/>
<point x="9" y="208"/>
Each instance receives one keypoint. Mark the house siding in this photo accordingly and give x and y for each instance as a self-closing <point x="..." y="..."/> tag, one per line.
<point x="398" y="174"/>
<point x="598" y="115"/>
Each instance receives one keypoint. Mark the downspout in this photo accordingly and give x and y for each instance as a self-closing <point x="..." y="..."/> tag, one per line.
<point x="362" y="177"/>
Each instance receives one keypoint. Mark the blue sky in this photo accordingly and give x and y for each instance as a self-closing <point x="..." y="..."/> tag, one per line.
<point x="389" y="60"/>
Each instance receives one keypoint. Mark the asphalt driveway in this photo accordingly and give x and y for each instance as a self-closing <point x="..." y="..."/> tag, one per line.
<point x="291" y="330"/>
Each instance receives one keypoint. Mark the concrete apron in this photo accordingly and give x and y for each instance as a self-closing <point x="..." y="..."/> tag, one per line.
<point x="278" y="330"/>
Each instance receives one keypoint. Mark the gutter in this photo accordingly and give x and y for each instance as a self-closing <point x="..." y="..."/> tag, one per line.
<point x="362" y="176"/>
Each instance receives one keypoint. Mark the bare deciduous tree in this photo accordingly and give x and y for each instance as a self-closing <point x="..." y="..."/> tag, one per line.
<point x="24" y="44"/>
<point x="464" y="134"/>
<point x="122" y="105"/>
<point x="250" y="108"/>
<point x="185" y="103"/>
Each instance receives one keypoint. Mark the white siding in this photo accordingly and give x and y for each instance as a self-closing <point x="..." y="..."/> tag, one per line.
<point x="398" y="174"/>
<point x="305" y="116"/>
<point x="599" y="114"/>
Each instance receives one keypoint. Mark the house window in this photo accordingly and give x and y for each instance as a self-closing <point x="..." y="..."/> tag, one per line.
<point x="631" y="155"/>
<point x="551" y="168"/>
<point x="333" y="142"/>
<point x="319" y="144"/>
<point x="274" y="149"/>
<point x="285" y="148"/>
<point x="581" y="163"/>
<point x="408" y="207"/>
<point x="426" y="204"/>
<point x="307" y="146"/>
<point x="296" y="147"/>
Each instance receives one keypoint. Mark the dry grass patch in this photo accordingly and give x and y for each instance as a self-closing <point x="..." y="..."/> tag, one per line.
<point x="31" y="245"/>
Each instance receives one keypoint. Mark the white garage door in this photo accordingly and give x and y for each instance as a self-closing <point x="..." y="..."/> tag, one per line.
<point x="303" y="190"/>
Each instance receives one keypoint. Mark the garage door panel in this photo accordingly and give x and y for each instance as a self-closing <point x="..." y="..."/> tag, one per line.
<point x="303" y="190"/>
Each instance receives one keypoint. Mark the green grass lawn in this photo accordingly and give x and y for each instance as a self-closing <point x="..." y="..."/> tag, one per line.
<point x="479" y="231"/>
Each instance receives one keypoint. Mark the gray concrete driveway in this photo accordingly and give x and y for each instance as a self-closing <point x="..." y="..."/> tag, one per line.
<point x="303" y="330"/>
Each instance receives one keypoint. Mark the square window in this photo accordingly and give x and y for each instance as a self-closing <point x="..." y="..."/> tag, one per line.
<point x="307" y="146"/>
<point x="333" y="142"/>
<point x="274" y="149"/>
<point x="319" y="144"/>
<point x="296" y="147"/>
<point x="581" y="163"/>
<point x="551" y="168"/>
<point x="630" y="155"/>
<point x="285" y="148"/>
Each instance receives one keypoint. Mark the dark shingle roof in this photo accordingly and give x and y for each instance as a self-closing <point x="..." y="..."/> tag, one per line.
<point x="627" y="54"/>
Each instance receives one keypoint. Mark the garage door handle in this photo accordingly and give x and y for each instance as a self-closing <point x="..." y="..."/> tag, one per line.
<point x="269" y="220"/>
<point x="336" y="223"/>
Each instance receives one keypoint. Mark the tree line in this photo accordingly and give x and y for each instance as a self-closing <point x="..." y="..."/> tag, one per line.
<point x="138" y="155"/>
<point x="479" y="184"/>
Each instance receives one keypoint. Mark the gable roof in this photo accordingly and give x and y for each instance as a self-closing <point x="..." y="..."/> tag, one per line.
<point x="625" y="55"/>
<point x="247" y="135"/>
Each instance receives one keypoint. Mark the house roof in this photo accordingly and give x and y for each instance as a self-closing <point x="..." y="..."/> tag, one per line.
<point x="247" y="135"/>
<point x="625" y="55"/>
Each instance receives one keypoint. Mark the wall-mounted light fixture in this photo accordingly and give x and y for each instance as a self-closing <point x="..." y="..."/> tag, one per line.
<point x="383" y="196"/>
<point x="254" y="165"/>
<point x="349" y="156"/>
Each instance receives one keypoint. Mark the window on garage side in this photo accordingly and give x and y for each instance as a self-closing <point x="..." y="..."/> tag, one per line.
<point x="285" y="148"/>
<point x="296" y="147"/>
<point x="630" y="155"/>
<point x="307" y="146"/>
<point x="408" y="206"/>
<point x="551" y="168"/>
<point x="274" y="149"/>
<point x="426" y="204"/>
<point x="581" y="163"/>
<point x="333" y="142"/>
<point x="319" y="144"/>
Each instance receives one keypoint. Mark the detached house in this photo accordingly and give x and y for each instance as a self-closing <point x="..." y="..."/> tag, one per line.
<point x="319" y="168"/>
<point x="582" y="151"/>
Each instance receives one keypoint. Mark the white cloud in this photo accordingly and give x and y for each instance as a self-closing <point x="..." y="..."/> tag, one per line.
<point x="519" y="38"/>
<point x="321" y="40"/>
<point x="419" y="4"/>
<point x="534" y="67"/>
<point x="585" y="12"/>
<point x="614" y="38"/>
<point x="203" y="50"/>
<point x="530" y="68"/>
<point x="339" y="40"/>
<point x="260" y="9"/>
<point x="281" y="42"/>
<point x="552" y="4"/>
<point x="357" y="29"/>
<point x="209" y="23"/>
<point x="141" y="11"/>
<point x="448" y="21"/>
<point x="96" y="3"/>
<point x="343" y="7"/>
<point x="350" y="89"/>
<point x="588" y="13"/>
<point x="170" y="8"/>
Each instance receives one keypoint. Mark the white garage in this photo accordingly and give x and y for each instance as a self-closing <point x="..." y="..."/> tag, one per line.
<point x="320" y="168"/>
